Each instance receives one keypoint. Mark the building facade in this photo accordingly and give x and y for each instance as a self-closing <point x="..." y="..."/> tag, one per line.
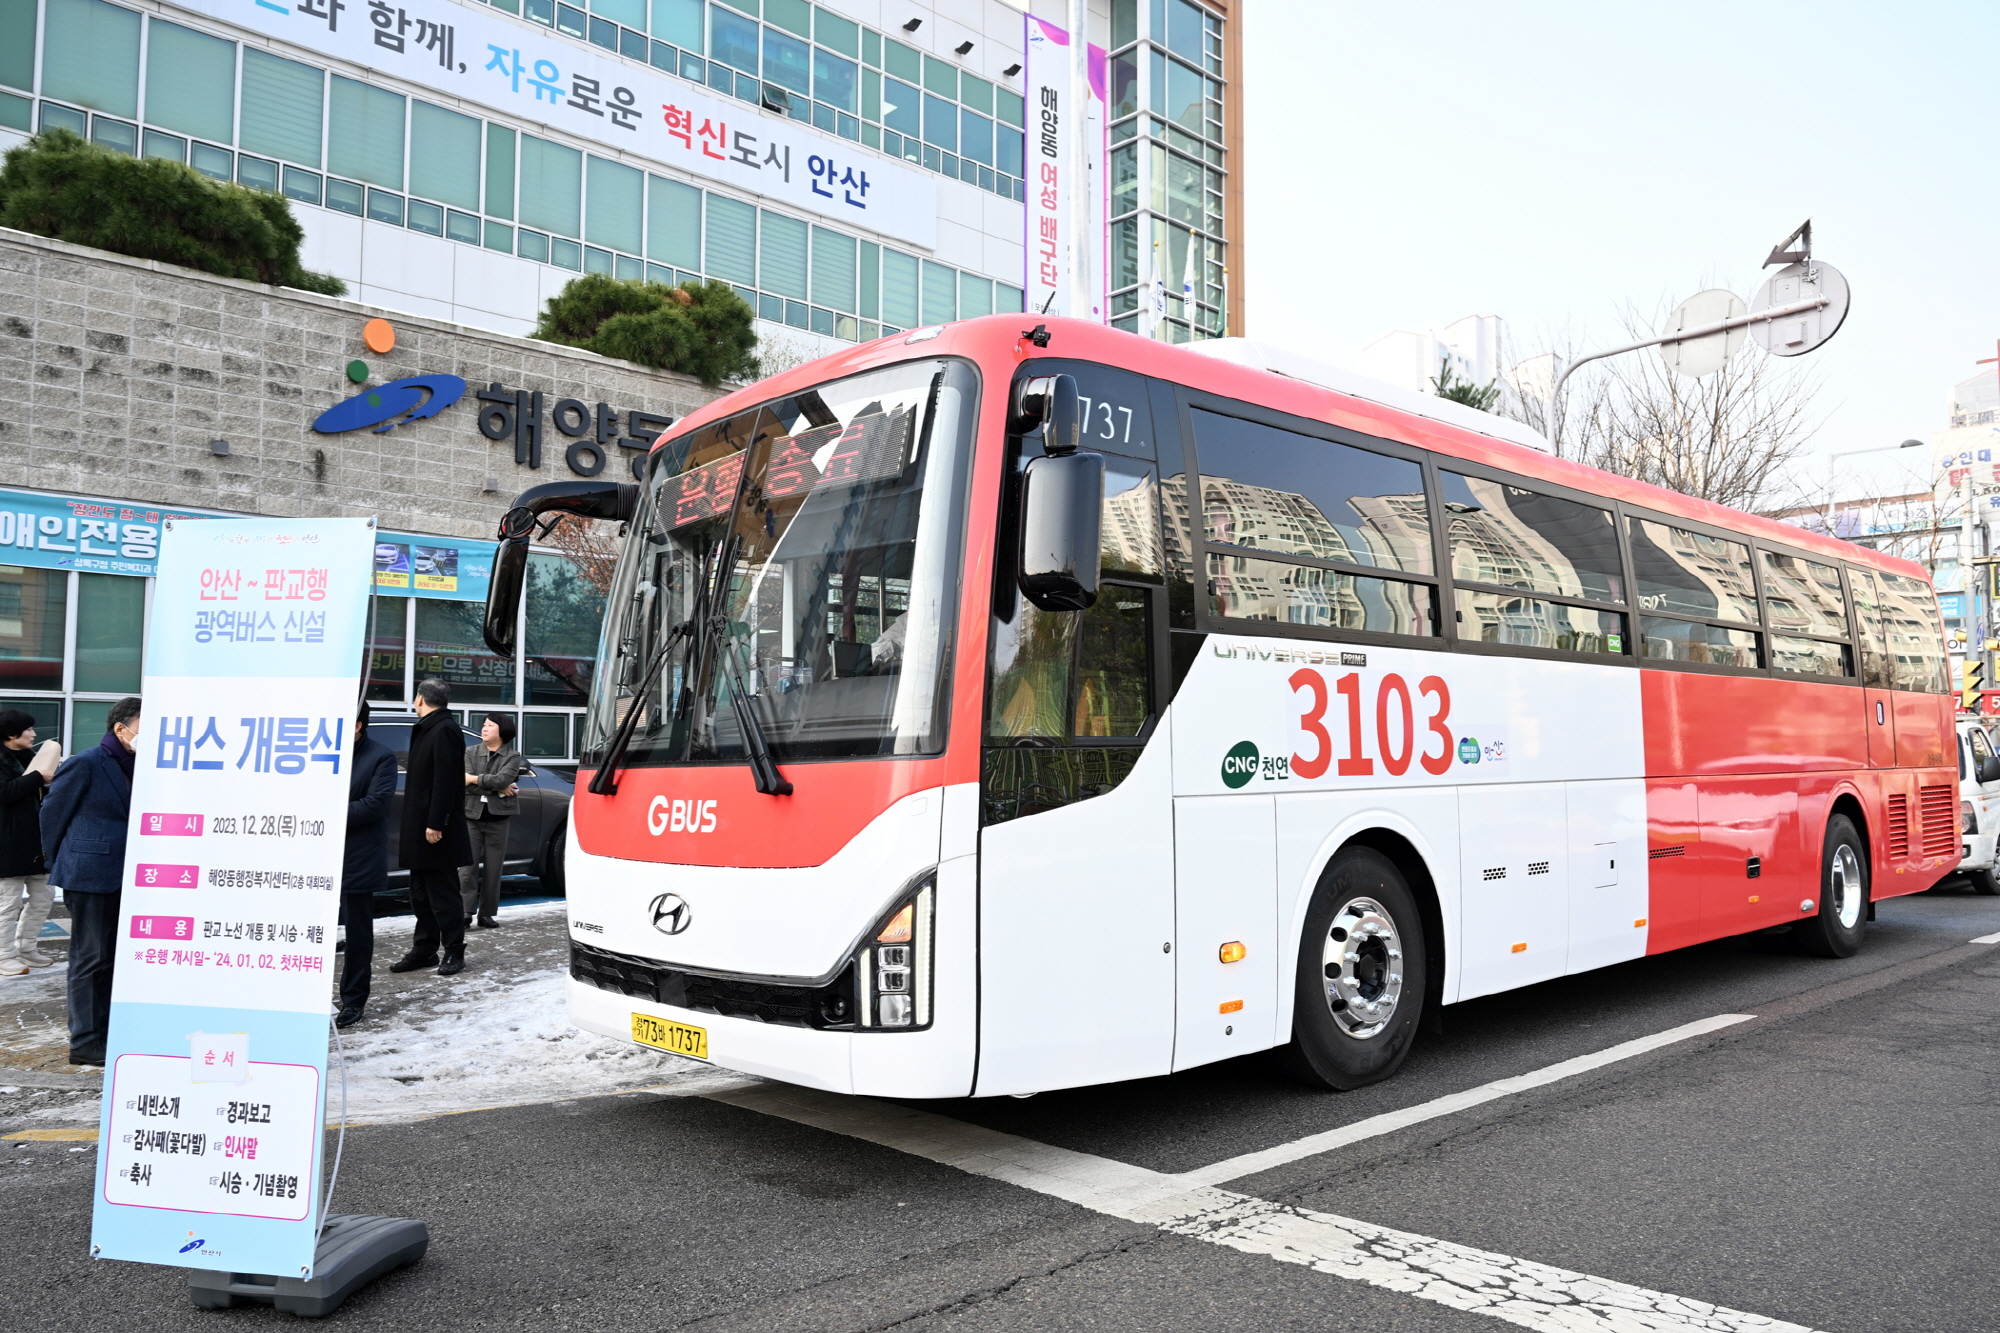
<point x="852" y="168"/>
<point x="133" y="394"/>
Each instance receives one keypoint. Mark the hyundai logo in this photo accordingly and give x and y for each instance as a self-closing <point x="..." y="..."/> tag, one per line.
<point x="671" y="914"/>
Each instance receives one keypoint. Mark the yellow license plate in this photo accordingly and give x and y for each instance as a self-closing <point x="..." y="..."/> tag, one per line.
<point x="679" y="1038"/>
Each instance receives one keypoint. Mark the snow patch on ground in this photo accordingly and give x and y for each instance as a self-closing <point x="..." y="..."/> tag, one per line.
<point x="495" y="1035"/>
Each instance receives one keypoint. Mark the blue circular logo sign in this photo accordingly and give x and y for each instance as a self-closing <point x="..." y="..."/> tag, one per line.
<point x="1468" y="750"/>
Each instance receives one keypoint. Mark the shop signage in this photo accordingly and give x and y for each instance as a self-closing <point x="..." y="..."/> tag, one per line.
<point x="110" y="537"/>
<point x="523" y="70"/>
<point x="210" y="1140"/>
<point x="506" y="414"/>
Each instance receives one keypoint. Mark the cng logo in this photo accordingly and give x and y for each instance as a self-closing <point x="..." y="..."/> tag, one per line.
<point x="1240" y="764"/>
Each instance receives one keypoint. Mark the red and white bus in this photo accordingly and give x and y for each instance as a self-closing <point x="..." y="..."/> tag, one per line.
<point x="983" y="712"/>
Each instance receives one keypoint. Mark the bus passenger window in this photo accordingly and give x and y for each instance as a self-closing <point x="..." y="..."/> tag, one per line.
<point x="1131" y="542"/>
<point x="1688" y="574"/>
<point x="1029" y="669"/>
<point x="1291" y="494"/>
<point x="1240" y="588"/>
<point x="1519" y="538"/>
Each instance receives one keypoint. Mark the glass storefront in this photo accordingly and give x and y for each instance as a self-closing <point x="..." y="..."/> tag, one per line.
<point x="71" y="645"/>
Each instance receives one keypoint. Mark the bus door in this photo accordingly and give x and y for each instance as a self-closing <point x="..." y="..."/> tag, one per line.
<point x="1878" y="699"/>
<point x="1076" y="853"/>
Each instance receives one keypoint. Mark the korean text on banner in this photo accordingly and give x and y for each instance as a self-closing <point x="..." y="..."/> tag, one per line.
<point x="518" y="69"/>
<point x="209" y="1143"/>
<point x="1056" y="255"/>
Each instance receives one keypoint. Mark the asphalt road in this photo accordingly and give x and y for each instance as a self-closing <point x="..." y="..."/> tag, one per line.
<point x="1829" y="1162"/>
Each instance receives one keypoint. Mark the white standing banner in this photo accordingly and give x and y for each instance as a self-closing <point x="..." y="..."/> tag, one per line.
<point x="1059" y="242"/>
<point x="522" y="69"/>
<point x="209" y="1143"/>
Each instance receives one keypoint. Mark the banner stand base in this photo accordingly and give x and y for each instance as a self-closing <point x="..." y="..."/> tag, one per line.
<point x="353" y="1251"/>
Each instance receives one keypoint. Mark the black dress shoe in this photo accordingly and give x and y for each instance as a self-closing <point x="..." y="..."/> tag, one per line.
<point x="454" y="963"/>
<point x="489" y="923"/>
<point x="93" y="1056"/>
<point x="413" y="960"/>
<point x="347" y="1018"/>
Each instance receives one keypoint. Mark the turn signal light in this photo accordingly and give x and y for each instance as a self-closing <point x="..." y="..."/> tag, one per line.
<point x="1232" y="952"/>
<point x="1640" y="924"/>
<point x="901" y="926"/>
<point x="1519" y="948"/>
<point x="1229" y="1006"/>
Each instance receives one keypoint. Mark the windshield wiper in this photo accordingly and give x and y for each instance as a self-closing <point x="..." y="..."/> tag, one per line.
<point x="763" y="770"/>
<point x="605" y="781"/>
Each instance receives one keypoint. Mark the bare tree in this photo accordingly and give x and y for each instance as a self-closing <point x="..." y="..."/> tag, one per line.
<point x="1733" y="436"/>
<point x="590" y="550"/>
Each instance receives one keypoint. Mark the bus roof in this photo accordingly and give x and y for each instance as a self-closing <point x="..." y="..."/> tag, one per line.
<point x="1256" y="373"/>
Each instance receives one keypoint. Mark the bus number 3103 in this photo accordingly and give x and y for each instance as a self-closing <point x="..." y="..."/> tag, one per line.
<point x="1396" y="732"/>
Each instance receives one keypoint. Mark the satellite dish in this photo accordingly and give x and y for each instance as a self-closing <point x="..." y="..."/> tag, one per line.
<point x="1795" y="335"/>
<point x="1703" y="356"/>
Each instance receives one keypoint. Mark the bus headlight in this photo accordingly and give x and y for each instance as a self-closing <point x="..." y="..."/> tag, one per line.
<point x="892" y="971"/>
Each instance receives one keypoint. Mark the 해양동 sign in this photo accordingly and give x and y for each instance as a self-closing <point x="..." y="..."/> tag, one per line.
<point x="209" y="1143"/>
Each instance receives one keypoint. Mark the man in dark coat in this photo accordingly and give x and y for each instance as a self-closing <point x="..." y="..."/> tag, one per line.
<point x="371" y="786"/>
<point x="83" y="842"/>
<point x="434" y="843"/>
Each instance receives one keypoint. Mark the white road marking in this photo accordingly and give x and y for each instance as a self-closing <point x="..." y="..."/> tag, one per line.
<point x="1524" y="1293"/>
<point x="1389" y="1122"/>
<point x="1985" y="939"/>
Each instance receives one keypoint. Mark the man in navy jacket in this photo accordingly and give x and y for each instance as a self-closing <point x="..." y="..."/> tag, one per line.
<point x="83" y="844"/>
<point x="370" y="789"/>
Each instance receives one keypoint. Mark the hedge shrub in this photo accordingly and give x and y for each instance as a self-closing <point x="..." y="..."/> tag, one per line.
<point x="151" y="208"/>
<point x="700" y="329"/>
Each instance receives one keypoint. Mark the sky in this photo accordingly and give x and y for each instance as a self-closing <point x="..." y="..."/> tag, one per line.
<point x="1551" y="163"/>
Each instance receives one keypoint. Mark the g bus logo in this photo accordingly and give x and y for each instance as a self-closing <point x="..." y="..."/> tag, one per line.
<point x="1240" y="764"/>
<point x="665" y="816"/>
<point x="420" y="395"/>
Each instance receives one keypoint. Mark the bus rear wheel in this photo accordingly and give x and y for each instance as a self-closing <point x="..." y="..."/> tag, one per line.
<point x="1834" y="930"/>
<point x="1362" y="975"/>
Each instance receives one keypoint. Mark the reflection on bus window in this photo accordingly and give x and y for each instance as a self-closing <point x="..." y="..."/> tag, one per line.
<point x="1877" y="672"/>
<point x="1685" y="641"/>
<point x="1810" y="657"/>
<point x="1523" y="539"/>
<point x="1030" y="674"/>
<point x="1240" y="588"/>
<point x="1687" y="573"/>
<point x="1131" y="542"/>
<point x="1803" y="596"/>
<point x="1276" y="490"/>
<point x="1916" y="639"/>
<point x="1529" y="622"/>
<point x="1114" y="643"/>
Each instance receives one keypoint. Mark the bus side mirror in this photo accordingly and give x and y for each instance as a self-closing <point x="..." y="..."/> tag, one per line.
<point x="1050" y="402"/>
<point x="1062" y="514"/>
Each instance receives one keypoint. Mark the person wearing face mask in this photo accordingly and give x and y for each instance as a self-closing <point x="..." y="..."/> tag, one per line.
<point x="492" y="768"/>
<point x="24" y="886"/>
<point x="83" y="844"/>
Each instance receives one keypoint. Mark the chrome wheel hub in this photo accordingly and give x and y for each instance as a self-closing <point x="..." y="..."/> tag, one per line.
<point x="1362" y="965"/>
<point x="1844" y="886"/>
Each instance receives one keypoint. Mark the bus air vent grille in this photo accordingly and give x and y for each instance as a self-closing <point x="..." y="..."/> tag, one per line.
<point x="1494" y="872"/>
<point x="1662" y="853"/>
<point x="1899" y="826"/>
<point x="731" y="997"/>
<point x="1538" y="867"/>
<point x="1941" y="823"/>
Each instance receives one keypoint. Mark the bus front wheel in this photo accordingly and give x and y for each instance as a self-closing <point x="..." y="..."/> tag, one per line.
<point x="1361" y="978"/>
<point x="1834" y="929"/>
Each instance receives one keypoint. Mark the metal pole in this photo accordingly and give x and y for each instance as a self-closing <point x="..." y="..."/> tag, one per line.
<point x="1705" y="331"/>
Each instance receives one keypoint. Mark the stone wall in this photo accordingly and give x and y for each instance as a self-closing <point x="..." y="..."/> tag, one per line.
<point x="116" y="375"/>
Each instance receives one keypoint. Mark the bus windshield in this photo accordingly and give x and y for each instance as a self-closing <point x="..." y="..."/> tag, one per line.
<point x="802" y="555"/>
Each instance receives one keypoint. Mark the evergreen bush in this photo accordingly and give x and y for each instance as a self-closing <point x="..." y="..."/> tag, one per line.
<point x="701" y="329"/>
<point x="151" y="208"/>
